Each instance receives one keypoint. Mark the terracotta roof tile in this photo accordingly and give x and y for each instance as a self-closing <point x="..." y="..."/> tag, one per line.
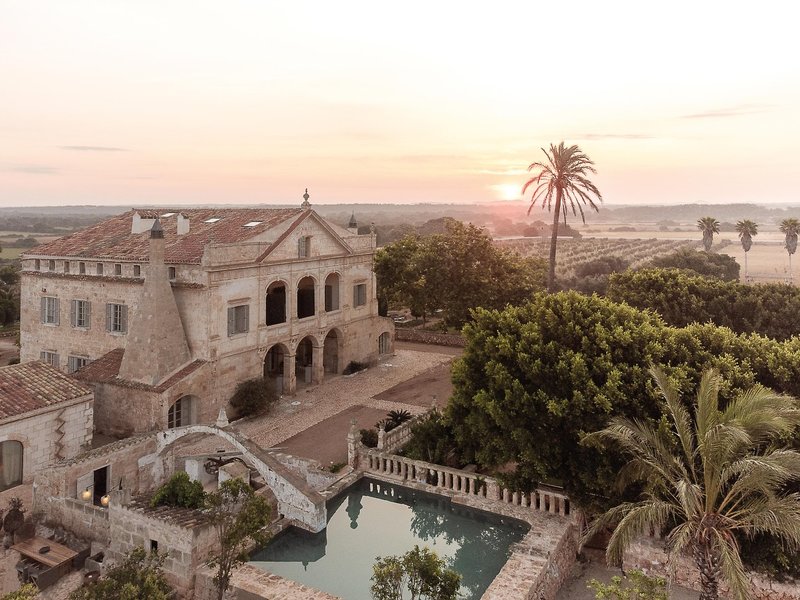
<point x="34" y="385"/>
<point x="106" y="370"/>
<point x="112" y="239"/>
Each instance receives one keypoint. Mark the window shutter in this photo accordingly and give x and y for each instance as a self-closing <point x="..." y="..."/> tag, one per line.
<point x="109" y="317"/>
<point x="73" y="313"/>
<point x="44" y="310"/>
<point x="56" y="307"/>
<point x="43" y="356"/>
<point x="247" y="318"/>
<point x="123" y="317"/>
<point x="335" y="296"/>
<point x="355" y="295"/>
<point x="231" y="321"/>
<point x="87" y="314"/>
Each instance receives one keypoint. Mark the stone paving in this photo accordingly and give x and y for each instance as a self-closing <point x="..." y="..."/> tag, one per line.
<point x="312" y="405"/>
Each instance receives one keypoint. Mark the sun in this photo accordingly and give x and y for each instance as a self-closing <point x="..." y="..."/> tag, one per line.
<point x="507" y="191"/>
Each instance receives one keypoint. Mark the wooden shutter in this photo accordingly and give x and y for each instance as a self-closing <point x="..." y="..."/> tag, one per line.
<point x="43" y="310"/>
<point x="123" y="318"/>
<point x="231" y="321"/>
<point x="109" y="317"/>
<point x="73" y="313"/>
<point x="57" y="309"/>
<point x="247" y="318"/>
<point x="87" y="314"/>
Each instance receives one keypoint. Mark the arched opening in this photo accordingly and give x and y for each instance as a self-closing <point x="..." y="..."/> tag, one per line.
<point x="384" y="343"/>
<point x="330" y="352"/>
<point x="183" y="412"/>
<point x="305" y="298"/>
<point x="332" y="292"/>
<point x="276" y="303"/>
<point x="10" y="464"/>
<point x="273" y="366"/>
<point x="304" y="360"/>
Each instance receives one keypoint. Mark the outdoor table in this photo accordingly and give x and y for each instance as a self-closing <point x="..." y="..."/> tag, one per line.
<point x="55" y="557"/>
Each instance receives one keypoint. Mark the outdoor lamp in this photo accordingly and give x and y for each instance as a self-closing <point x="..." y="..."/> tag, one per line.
<point x="105" y="500"/>
<point x="86" y="495"/>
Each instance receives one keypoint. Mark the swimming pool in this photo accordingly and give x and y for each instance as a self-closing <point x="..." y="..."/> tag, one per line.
<point x="372" y="519"/>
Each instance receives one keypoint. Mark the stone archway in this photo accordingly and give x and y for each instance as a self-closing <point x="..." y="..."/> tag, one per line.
<point x="331" y="352"/>
<point x="296" y="500"/>
<point x="274" y="367"/>
<point x="304" y="361"/>
<point x="276" y="305"/>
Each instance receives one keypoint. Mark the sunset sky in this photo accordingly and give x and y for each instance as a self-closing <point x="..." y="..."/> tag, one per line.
<point x="190" y="102"/>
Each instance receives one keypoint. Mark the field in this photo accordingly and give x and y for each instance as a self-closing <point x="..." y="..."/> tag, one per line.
<point x="574" y="252"/>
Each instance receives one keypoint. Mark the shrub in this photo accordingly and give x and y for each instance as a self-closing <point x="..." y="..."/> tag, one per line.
<point x="253" y="397"/>
<point x="354" y="367"/>
<point x="369" y="437"/>
<point x="26" y="592"/>
<point x="432" y="441"/>
<point x="180" y="491"/>
<point x="635" y="585"/>
<point x="139" y="575"/>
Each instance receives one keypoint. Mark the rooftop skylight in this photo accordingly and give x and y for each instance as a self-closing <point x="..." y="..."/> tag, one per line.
<point x="212" y="220"/>
<point x="253" y="223"/>
<point x="165" y="215"/>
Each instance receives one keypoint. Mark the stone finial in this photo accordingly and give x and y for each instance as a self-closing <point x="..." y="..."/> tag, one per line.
<point x="306" y="203"/>
<point x="156" y="231"/>
<point x="222" y="419"/>
<point x="353" y="224"/>
<point x="372" y="227"/>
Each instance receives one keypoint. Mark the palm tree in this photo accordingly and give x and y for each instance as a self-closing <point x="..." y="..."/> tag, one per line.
<point x="708" y="477"/>
<point x="563" y="178"/>
<point x="709" y="226"/>
<point x="790" y="227"/>
<point x="746" y="229"/>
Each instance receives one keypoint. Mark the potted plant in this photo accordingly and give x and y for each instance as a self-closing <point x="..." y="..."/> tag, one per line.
<point x="14" y="519"/>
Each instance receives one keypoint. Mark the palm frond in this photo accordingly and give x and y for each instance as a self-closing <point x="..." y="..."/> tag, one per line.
<point x="730" y="563"/>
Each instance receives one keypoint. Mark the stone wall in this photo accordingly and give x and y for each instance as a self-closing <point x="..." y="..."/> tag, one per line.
<point x="251" y="583"/>
<point x="394" y="440"/>
<point x="317" y="477"/>
<point x="430" y="337"/>
<point x="648" y="554"/>
<point x="56" y="495"/>
<point x="50" y="434"/>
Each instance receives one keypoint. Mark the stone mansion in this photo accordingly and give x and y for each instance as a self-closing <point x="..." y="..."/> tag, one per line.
<point x="164" y="312"/>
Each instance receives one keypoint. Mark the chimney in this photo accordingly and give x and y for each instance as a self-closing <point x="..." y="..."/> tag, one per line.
<point x="156" y="345"/>
<point x="183" y="224"/>
<point x="140" y="225"/>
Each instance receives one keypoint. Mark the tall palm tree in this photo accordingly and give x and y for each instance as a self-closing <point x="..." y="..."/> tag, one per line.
<point x="790" y="227"/>
<point x="747" y="229"/>
<point x="710" y="476"/>
<point x="709" y="226"/>
<point x="563" y="178"/>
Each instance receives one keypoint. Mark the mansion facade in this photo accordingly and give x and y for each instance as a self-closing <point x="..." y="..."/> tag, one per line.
<point x="164" y="312"/>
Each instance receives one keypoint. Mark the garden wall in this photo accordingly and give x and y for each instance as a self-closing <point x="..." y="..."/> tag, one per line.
<point x="430" y="337"/>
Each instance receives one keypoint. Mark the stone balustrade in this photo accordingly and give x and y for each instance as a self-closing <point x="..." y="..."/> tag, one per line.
<point x="456" y="482"/>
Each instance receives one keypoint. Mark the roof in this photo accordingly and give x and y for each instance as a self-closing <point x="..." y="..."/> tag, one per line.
<point x="106" y="370"/>
<point x="186" y="518"/>
<point x="31" y="386"/>
<point x="112" y="239"/>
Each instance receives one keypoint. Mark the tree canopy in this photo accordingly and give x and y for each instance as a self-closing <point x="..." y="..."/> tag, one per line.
<point x="455" y="271"/>
<point x="534" y="378"/>
<point x="721" y="266"/>
<point x="682" y="297"/>
<point x="708" y="226"/>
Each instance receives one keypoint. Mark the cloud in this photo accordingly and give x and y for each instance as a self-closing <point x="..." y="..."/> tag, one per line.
<point x="731" y="111"/>
<point x="30" y="169"/>
<point x="94" y="148"/>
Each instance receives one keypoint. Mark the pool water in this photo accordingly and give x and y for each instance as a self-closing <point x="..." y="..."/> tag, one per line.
<point x="372" y="519"/>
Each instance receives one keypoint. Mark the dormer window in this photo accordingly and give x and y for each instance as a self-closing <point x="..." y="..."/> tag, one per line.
<point x="304" y="246"/>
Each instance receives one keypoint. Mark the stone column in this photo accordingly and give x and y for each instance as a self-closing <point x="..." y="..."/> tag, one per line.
<point x="353" y="441"/>
<point x="289" y="376"/>
<point x="317" y="366"/>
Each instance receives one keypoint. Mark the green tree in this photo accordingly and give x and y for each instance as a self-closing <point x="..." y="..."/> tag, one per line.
<point x="563" y="179"/>
<point x="721" y="266"/>
<point x="709" y="226"/>
<point x="420" y="571"/>
<point x="239" y="517"/>
<point x="181" y="491"/>
<point x="26" y="592"/>
<point x="708" y="477"/>
<point x="455" y="271"/>
<point x="747" y="229"/>
<point x="790" y="228"/>
<point x="138" y="577"/>
<point x="534" y="378"/>
<point x="635" y="585"/>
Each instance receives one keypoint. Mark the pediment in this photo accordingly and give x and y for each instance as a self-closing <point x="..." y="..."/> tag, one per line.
<point x="325" y="241"/>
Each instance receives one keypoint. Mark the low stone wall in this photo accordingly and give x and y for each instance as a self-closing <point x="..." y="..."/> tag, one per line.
<point x="392" y="441"/>
<point x="648" y="554"/>
<point x="317" y="477"/>
<point x="251" y="583"/>
<point x="430" y="337"/>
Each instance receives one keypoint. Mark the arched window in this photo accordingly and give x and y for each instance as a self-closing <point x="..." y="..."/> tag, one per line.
<point x="332" y="292"/>
<point x="305" y="298"/>
<point x="276" y="303"/>
<point x="10" y="464"/>
<point x="181" y="413"/>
